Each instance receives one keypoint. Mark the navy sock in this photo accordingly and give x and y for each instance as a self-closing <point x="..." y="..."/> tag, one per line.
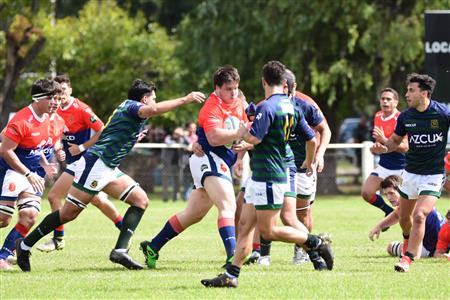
<point x="379" y="202"/>
<point x="13" y="235"/>
<point x="227" y="232"/>
<point x="265" y="246"/>
<point x="170" y="230"/>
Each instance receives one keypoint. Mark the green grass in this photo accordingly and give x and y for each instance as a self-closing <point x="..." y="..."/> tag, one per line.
<point x="362" y="268"/>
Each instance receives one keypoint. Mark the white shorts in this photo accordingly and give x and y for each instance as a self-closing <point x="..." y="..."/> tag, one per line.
<point x="414" y="185"/>
<point x="245" y="182"/>
<point x="265" y="195"/>
<point x="306" y="186"/>
<point x="91" y="174"/>
<point x="382" y="172"/>
<point x="208" y="165"/>
<point x="12" y="184"/>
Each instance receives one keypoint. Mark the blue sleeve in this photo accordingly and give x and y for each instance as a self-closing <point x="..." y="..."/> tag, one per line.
<point x="133" y="109"/>
<point x="400" y="129"/>
<point x="263" y="119"/>
<point x="313" y="116"/>
<point x="302" y="129"/>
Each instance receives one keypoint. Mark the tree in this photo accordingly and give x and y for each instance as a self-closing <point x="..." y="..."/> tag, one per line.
<point x="22" y="42"/>
<point x="341" y="52"/>
<point x="103" y="50"/>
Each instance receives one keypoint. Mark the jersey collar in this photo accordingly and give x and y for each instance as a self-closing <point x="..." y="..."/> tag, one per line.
<point x="39" y="119"/>
<point x="72" y="99"/>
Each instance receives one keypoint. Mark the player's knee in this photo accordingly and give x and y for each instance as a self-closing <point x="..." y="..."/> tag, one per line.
<point x="4" y="220"/>
<point x="419" y="216"/>
<point x="96" y="201"/>
<point x="288" y="219"/>
<point x="53" y="198"/>
<point x="367" y="195"/>
<point x="28" y="217"/>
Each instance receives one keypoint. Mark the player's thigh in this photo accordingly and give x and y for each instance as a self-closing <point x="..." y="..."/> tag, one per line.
<point x="76" y="201"/>
<point x="371" y="185"/>
<point x="406" y="207"/>
<point x="127" y="190"/>
<point x="197" y="207"/>
<point x="60" y="187"/>
<point x="221" y="193"/>
<point x="267" y="220"/>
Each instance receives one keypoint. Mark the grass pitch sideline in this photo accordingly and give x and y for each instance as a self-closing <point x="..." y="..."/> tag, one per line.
<point x="362" y="269"/>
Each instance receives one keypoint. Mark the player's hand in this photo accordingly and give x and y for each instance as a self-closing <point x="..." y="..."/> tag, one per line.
<point x="379" y="136"/>
<point x="309" y="168"/>
<point x="74" y="149"/>
<point x="242" y="130"/>
<point x="36" y="182"/>
<point x="197" y="149"/>
<point x="242" y="146"/>
<point x="238" y="168"/>
<point x="378" y="148"/>
<point x="142" y="135"/>
<point x="374" y="233"/>
<point x="319" y="163"/>
<point x="61" y="155"/>
<point x="50" y="170"/>
<point x="195" y="97"/>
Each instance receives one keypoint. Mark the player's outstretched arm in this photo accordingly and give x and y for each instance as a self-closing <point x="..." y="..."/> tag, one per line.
<point x="159" y="108"/>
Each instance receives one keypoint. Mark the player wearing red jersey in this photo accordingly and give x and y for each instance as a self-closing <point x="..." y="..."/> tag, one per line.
<point x="80" y="122"/>
<point x="212" y="171"/>
<point x="443" y="243"/>
<point x="23" y="142"/>
<point x="447" y="172"/>
<point x="390" y="163"/>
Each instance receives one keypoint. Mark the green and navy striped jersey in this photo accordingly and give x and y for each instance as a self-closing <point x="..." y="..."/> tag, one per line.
<point x="275" y="119"/>
<point x="427" y="138"/>
<point x="120" y="133"/>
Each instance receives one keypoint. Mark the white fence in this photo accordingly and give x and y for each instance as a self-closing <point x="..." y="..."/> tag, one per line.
<point x="367" y="157"/>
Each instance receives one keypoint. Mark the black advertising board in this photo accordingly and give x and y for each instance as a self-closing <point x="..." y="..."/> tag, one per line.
<point x="437" y="51"/>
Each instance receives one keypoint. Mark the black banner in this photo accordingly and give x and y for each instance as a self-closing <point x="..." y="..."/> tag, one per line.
<point x="437" y="52"/>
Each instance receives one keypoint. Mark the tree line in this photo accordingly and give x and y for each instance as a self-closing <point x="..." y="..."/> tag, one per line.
<point x="343" y="52"/>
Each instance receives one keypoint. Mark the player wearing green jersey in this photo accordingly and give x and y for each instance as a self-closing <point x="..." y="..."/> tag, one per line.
<point x="426" y="123"/>
<point x="97" y="170"/>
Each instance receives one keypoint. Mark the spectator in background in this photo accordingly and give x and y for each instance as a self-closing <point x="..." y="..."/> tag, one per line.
<point x="360" y="134"/>
<point x="191" y="138"/>
<point x="172" y="163"/>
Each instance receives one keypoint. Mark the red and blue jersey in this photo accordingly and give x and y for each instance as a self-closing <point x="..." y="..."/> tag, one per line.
<point x="212" y="115"/>
<point x="392" y="160"/>
<point x="79" y="119"/>
<point x="433" y="224"/>
<point x="31" y="133"/>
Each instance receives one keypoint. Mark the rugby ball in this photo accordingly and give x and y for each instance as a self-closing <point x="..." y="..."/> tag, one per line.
<point x="231" y="122"/>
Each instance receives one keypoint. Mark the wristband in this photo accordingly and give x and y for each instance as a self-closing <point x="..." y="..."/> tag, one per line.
<point x="81" y="147"/>
<point x="27" y="174"/>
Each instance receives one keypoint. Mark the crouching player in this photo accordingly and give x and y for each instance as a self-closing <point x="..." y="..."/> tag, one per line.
<point x="433" y="222"/>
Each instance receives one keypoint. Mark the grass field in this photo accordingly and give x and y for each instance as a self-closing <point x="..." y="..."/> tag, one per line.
<point x="362" y="269"/>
